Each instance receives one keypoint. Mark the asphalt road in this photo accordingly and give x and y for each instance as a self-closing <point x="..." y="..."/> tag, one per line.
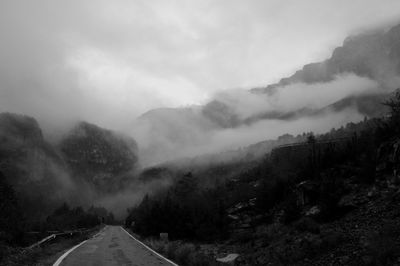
<point x="112" y="246"/>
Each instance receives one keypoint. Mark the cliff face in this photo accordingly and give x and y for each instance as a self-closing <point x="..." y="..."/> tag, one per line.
<point x="89" y="162"/>
<point x="376" y="56"/>
<point x="31" y="165"/>
<point x="361" y="72"/>
<point x="98" y="156"/>
<point x="25" y="157"/>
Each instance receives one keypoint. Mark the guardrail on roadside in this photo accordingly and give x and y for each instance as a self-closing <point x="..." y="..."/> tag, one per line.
<point x="65" y="233"/>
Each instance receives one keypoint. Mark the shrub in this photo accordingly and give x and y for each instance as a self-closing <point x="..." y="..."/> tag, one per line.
<point x="291" y="210"/>
<point x="170" y="249"/>
<point x="11" y="218"/>
<point x="271" y="232"/>
<point x="307" y="224"/>
<point x="184" y="254"/>
<point x="156" y="245"/>
<point x="242" y="236"/>
<point x="183" y="211"/>
<point x="181" y="253"/>
<point x="332" y="239"/>
<point x="381" y="247"/>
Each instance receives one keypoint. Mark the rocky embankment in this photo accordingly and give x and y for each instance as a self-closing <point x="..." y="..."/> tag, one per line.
<point x="362" y="227"/>
<point x="367" y="234"/>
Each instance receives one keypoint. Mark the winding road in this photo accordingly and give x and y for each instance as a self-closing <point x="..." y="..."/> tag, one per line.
<point x="112" y="246"/>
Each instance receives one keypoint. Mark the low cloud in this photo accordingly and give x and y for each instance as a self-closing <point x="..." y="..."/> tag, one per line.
<point x="108" y="62"/>
<point x="296" y="96"/>
<point x="175" y="133"/>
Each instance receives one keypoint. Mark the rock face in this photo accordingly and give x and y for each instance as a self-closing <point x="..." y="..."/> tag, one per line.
<point x="167" y="130"/>
<point x="228" y="259"/>
<point x="374" y="55"/>
<point x="221" y="114"/>
<point x="99" y="156"/>
<point x="30" y="164"/>
<point x="25" y="157"/>
<point x="19" y="128"/>
<point x="89" y="161"/>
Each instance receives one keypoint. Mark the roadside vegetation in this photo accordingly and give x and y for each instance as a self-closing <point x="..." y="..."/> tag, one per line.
<point x="17" y="232"/>
<point x="45" y="254"/>
<point x="182" y="253"/>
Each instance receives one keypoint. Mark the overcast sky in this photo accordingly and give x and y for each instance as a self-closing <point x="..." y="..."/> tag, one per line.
<point x="109" y="61"/>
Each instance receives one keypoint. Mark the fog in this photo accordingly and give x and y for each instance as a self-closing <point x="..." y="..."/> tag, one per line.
<point x="119" y="202"/>
<point x="115" y="64"/>
<point x="173" y="134"/>
<point x="298" y="95"/>
<point x="109" y="62"/>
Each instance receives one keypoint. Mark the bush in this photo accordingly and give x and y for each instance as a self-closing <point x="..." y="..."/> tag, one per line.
<point x="156" y="245"/>
<point x="330" y="193"/>
<point x="181" y="253"/>
<point x="271" y="192"/>
<point x="291" y="210"/>
<point x="382" y="248"/>
<point x="332" y="239"/>
<point x="307" y="224"/>
<point x="242" y="237"/>
<point x="170" y="249"/>
<point x="184" y="212"/>
<point x="271" y="232"/>
<point x="11" y="217"/>
<point x="65" y="218"/>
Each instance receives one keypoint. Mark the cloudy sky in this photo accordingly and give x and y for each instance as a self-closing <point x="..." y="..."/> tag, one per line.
<point x="109" y="61"/>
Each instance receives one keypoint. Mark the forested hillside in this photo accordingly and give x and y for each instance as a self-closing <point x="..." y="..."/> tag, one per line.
<point x="300" y="193"/>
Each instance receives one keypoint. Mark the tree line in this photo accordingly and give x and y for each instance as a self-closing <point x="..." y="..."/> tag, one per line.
<point x="189" y="211"/>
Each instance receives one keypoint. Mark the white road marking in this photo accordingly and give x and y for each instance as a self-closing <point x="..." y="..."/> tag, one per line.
<point x="161" y="256"/>
<point x="60" y="259"/>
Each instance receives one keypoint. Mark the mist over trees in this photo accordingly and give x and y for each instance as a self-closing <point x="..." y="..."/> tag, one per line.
<point x="183" y="211"/>
<point x="287" y="153"/>
<point x="189" y="210"/>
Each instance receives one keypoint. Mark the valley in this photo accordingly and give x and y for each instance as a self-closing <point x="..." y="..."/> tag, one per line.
<point x="304" y="171"/>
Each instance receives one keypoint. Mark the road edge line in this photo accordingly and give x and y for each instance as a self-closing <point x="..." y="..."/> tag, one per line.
<point x="63" y="256"/>
<point x="161" y="256"/>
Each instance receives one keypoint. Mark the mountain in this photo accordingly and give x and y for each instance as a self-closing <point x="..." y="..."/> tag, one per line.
<point x="31" y="165"/>
<point x="221" y="114"/>
<point x="99" y="157"/>
<point x="356" y="78"/>
<point x="373" y="55"/>
<point x="163" y="131"/>
<point x="89" y="164"/>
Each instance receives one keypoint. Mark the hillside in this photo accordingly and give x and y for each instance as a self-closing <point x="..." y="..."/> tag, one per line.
<point x="330" y="200"/>
<point x="357" y="77"/>
<point x="89" y="163"/>
<point x="31" y="165"/>
<point x="99" y="157"/>
<point x="373" y="55"/>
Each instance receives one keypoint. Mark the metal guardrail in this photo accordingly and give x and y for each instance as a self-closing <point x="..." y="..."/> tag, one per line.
<point x="46" y="239"/>
<point x="53" y="236"/>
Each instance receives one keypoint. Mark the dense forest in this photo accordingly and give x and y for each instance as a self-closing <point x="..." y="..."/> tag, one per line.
<point x="16" y="225"/>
